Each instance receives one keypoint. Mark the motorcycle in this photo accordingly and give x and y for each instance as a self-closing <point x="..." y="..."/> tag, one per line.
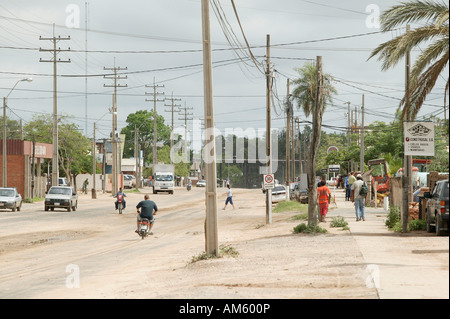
<point x="144" y="228"/>
<point x="120" y="203"/>
<point x="189" y="186"/>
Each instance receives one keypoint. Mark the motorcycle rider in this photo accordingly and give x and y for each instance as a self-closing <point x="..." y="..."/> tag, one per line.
<point x="147" y="208"/>
<point x="120" y="192"/>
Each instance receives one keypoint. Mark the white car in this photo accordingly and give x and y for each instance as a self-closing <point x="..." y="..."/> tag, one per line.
<point x="127" y="181"/>
<point x="61" y="197"/>
<point x="10" y="198"/>
<point x="278" y="194"/>
<point x="201" y="183"/>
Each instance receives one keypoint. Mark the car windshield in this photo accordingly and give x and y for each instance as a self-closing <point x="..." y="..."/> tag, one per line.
<point x="6" y="192"/>
<point x="278" y="189"/>
<point x="164" y="178"/>
<point x="60" y="191"/>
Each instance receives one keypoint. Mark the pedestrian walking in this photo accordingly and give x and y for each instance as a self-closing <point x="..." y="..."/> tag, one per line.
<point x="324" y="198"/>
<point x="358" y="199"/>
<point x="229" y="197"/>
<point x="348" y="190"/>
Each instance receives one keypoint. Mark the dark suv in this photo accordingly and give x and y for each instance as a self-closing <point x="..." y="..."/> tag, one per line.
<point x="437" y="208"/>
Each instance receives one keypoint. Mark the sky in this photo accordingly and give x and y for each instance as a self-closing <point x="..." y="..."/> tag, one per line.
<point x="161" y="42"/>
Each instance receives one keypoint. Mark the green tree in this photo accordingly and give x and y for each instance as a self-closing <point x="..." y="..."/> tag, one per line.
<point x="304" y="94"/>
<point x="432" y="61"/>
<point x="143" y="120"/>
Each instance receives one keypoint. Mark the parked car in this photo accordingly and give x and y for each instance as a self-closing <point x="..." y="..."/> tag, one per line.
<point x="10" y="198"/>
<point x="127" y="181"/>
<point x="437" y="208"/>
<point x="201" y="183"/>
<point x="278" y="194"/>
<point x="61" y="197"/>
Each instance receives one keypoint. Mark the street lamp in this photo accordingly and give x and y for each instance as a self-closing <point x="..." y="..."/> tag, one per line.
<point x="4" y="128"/>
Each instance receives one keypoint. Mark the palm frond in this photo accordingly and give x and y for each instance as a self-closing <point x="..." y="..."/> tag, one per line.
<point x="413" y="11"/>
<point x="422" y="88"/>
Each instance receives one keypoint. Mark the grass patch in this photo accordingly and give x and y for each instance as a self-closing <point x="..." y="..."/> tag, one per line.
<point x="309" y="229"/>
<point x="291" y="206"/>
<point x="338" y="221"/>
<point x="224" y="250"/>
<point x="303" y="216"/>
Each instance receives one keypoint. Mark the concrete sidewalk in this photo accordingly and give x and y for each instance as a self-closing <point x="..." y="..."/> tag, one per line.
<point x="412" y="265"/>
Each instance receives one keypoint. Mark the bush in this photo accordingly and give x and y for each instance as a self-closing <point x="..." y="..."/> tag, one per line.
<point x="309" y="229"/>
<point x="338" y="221"/>
<point x="417" y="224"/>
<point x="393" y="217"/>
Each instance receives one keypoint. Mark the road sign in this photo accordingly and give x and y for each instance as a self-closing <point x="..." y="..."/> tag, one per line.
<point x="334" y="168"/>
<point x="269" y="181"/>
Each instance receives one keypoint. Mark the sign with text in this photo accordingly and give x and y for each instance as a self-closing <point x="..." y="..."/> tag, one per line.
<point x="269" y="181"/>
<point x="334" y="168"/>
<point x="419" y="138"/>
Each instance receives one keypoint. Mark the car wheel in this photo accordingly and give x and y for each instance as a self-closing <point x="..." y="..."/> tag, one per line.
<point x="46" y="208"/>
<point x="20" y="206"/>
<point x="14" y="208"/>
<point x="74" y="208"/>
<point x="429" y="227"/>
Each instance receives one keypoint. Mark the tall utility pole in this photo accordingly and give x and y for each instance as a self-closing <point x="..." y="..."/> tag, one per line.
<point x="407" y="162"/>
<point x="55" y="61"/>
<point x="348" y="125"/>
<point x="172" y="110"/>
<point x="361" y="152"/>
<point x="211" y="231"/>
<point x="268" y="130"/>
<point x="114" y="136"/>
<point x="155" y="117"/>
<point x="186" y="117"/>
<point x="94" y="165"/>
<point x="288" y="143"/>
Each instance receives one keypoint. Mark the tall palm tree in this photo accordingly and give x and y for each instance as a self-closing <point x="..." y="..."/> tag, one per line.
<point x="305" y="94"/>
<point x="430" y="64"/>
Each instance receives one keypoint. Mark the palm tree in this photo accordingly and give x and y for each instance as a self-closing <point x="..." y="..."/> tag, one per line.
<point x="432" y="61"/>
<point x="306" y="95"/>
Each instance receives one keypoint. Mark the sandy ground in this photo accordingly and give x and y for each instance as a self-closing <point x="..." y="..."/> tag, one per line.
<point x="94" y="253"/>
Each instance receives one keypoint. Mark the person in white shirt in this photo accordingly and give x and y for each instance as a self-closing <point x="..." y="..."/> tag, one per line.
<point x="229" y="197"/>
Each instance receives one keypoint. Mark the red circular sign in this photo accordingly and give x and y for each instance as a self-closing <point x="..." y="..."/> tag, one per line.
<point x="269" y="179"/>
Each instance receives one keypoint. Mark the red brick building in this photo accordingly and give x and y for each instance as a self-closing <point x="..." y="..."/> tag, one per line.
<point x="19" y="156"/>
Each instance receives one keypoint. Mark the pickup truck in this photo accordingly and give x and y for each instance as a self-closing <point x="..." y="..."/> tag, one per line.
<point x="61" y="197"/>
<point x="437" y="208"/>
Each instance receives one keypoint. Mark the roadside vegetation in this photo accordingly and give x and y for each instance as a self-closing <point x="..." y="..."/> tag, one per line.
<point x="338" y="222"/>
<point x="309" y="229"/>
<point x="394" y="223"/>
<point x="224" y="250"/>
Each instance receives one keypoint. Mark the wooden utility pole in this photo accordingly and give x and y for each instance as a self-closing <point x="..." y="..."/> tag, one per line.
<point x="268" y="130"/>
<point x="172" y="110"/>
<point x="155" y="116"/>
<point x="94" y="165"/>
<point x="407" y="162"/>
<point x="211" y="231"/>
<point x="288" y="143"/>
<point x="186" y="117"/>
<point x="55" y="61"/>
<point x="114" y="134"/>
<point x="361" y="152"/>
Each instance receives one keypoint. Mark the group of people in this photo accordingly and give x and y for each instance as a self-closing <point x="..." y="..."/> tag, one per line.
<point x="353" y="184"/>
